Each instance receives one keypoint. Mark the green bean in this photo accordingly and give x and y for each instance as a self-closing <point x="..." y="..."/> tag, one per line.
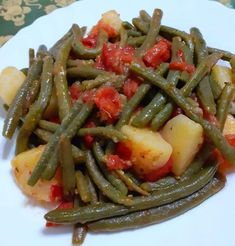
<point x="226" y="55"/>
<point x="151" y="34"/>
<point x="133" y="33"/>
<point x="85" y="71"/>
<point x="42" y="51"/>
<point x="56" y="47"/>
<point x="36" y="110"/>
<point x="202" y="70"/>
<point x="78" y="155"/>
<point x="69" y="132"/>
<point x="87" y="53"/>
<point x="184" y="77"/>
<point x="232" y="64"/>
<point x="140" y="25"/>
<point x="130" y="183"/>
<point x="136" y="41"/>
<point x="15" y="110"/>
<point x="158" y="198"/>
<point x="77" y="62"/>
<point x="157" y="103"/>
<point x="67" y="166"/>
<point x="104" y="186"/>
<point x="145" y="16"/>
<point x="224" y="103"/>
<point x="107" y="132"/>
<point x="162" y="116"/>
<point x="93" y="194"/>
<point x="109" y="175"/>
<point x="199" y="44"/>
<point x="24" y="71"/>
<point x="205" y="95"/>
<point x="31" y="56"/>
<point x="132" y="105"/>
<point x="31" y="96"/>
<point x="51" y="111"/>
<point x="215" y="87"/>
<point x="123" y="37"/>
<point x="159" y="214"/>
<point x="79" y="234"/>
<point x="82" y="187"/>
<point x="45" y="157"/>
<point x="127" y="25"/>
<point x="211" y="131"/>
<point x="161" y="183"/>
<point x="48" y="125"/>
<point x="166" y="31"/>
<point x="60" y="79"/>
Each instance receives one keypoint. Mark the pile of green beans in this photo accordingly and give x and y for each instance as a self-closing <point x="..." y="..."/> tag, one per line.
<point x="46" y="113"/>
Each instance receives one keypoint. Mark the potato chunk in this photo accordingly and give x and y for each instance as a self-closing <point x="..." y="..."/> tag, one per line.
<point x="229" y="127"/>
<point x="149" y="150"/>
<point x="23" y="165"/>
<point x="112" y="18"/>
<point x="185" y="136"/>
<point x="10" y="81"/>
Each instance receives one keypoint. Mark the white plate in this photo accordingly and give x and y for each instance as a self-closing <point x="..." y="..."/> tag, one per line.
<point x="22" y="223"/>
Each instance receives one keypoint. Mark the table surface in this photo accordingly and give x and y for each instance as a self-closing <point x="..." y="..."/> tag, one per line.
<point x="16" y="14"/>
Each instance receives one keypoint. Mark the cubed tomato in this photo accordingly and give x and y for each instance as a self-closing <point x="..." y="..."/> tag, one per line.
<point x="114" y="162"/>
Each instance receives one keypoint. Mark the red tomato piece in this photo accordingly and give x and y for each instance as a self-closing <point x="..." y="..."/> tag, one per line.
<point x="114" y="162"/>
<point x="107" y="100"/>
<point x="89" y="139"/>
<point x="90" y="41"/>
<point x="159" y="53"/>
<point x="160" y="172"/>
<point x="130" y="87"/>
<point x="115" y="58"/>
<point x="123" y="151"/>
<point x="182" y="66"/>
<point x="112" y="33"/>
<point x="75" y="92"/>
<point x="88" y="96"/>
<point x="56" y="193"/>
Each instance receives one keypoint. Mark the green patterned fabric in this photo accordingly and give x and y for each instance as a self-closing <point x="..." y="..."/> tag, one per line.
<point x="16" y="14"/>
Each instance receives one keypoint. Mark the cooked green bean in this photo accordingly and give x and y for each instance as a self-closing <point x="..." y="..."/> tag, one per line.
<point x="48" y="125"/>
<point x="133" y="33"/>
<point x="31" y="96"/>
<point x="132" y="105"/>
<point x="42" y="51"/>
<point x="130" y="183"/>
<point x="201" y="71"/>
<point x="158" y="198"/>
<point x="136" y="41"/>
<point x="67" y="166"/>
<point x="78" y="155"/>
<point x="60" y="80"/>
<point x="69" y="132"/>
<point x="87" y="53"/>
<point x="226" y="55"/>
<point x="36" y="110"/>
<point x="158" y="214"/>
<point x="140" y="25"/>
<point x="77" y="62"/>
<point x="79" y="234"/>
<point x="107" y="132"/>
<point x="109" y="175"/>
<point x="151" y="34"/>
<point x="145" y="16"/>
<point x="15" y="110"/>
<point x="211" y="131"/>
<point x="215" y="87"/>
<point x="127" y="25"/>
<point x="123" y="37"/>
<point x="31" y="56"/>
<point x="224" y="103"/>
<point x="82" y="187"/>
<point x="42" y="163"/>
<point x="85" y="71"/>
<point x="167" y="31"/>
<point x="93" y="194"/>
<point x="162" y="116"/>
<point x="104" y="186"/>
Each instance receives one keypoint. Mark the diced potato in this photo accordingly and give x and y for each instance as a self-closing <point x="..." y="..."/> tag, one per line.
<point x="185" y="136"/>
<point x="112" y="18"/>
<point x="149" y="150"/>
<point x="222" y="75"/>
<point x="229" y="127"/>
<point x="10" y="81"/>
<point x="23" y="165"/>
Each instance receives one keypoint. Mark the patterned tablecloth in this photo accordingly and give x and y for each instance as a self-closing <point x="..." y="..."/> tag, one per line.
<point x="16" y="14"/>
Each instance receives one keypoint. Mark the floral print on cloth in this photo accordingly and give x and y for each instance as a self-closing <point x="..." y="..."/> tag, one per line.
<point x="16" y="14"/>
